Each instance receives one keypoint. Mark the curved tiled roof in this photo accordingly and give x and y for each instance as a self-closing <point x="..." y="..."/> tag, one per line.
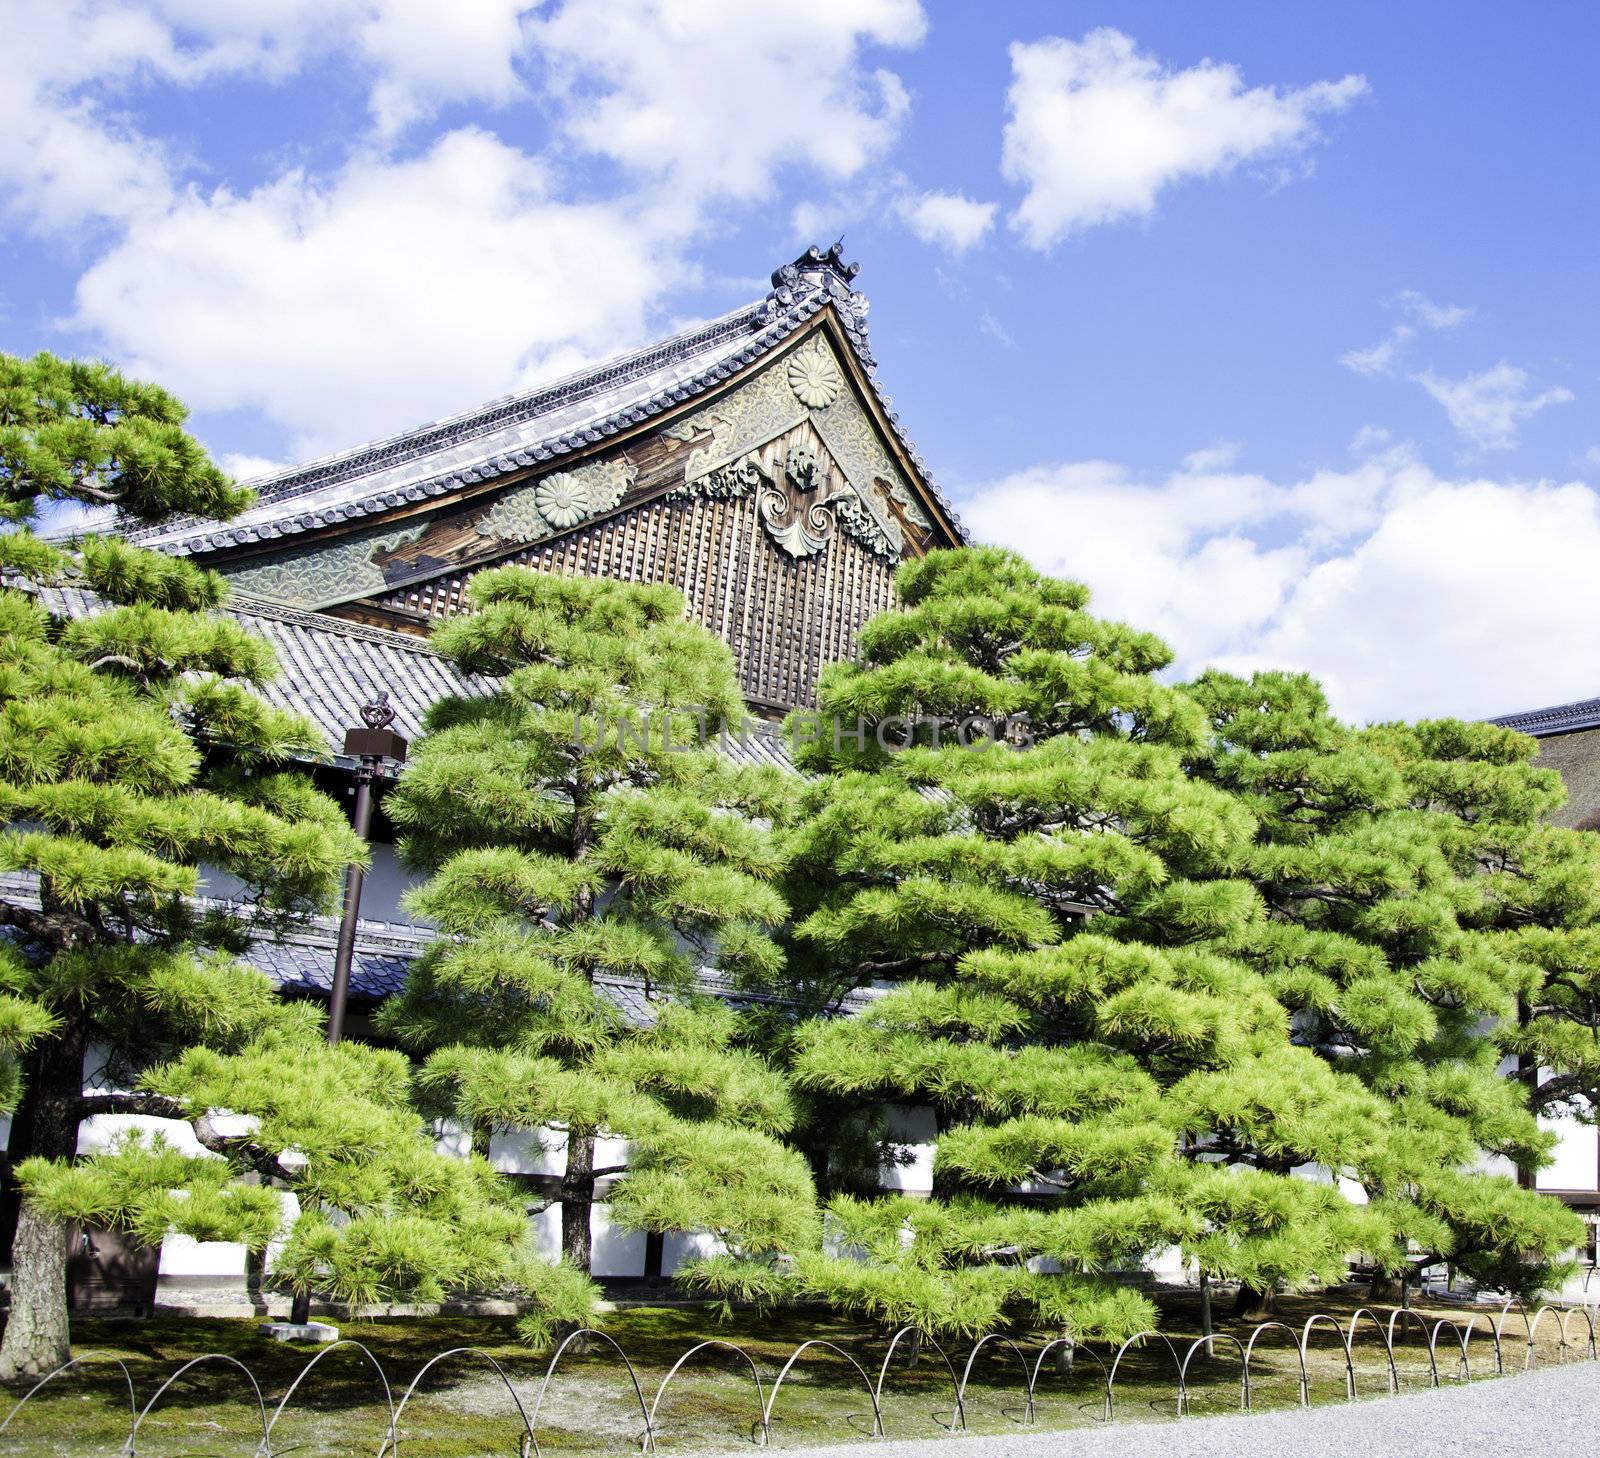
<point x="329" y="667"/>
<point x="519" y="431"/>
<point x="1558" y="719"/>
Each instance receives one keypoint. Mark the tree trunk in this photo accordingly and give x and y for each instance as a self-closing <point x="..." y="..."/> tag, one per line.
<point x="1386" y="1289"/>
<point x="37" y="1338"/>
<point x="1205" y="1310"/>
<point x="577" y="1200"/>
<point x="1254" y="1302"/>
<point x="37" y="1332"/>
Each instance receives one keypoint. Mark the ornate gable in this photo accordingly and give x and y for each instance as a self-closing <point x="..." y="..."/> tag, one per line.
<point x="777" y="494"/>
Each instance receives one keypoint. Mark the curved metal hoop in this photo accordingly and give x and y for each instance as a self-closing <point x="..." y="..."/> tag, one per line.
<point x="960" y="1423"/>
<point x="1563" y="1312"/>
<point x="1344" y="1342"/>
<point x="1533" y="1331"/>
<point x="794" y="1356"/>
<point x="972" y="1356"/>
<point x="1244" y="1367"/>
<point x="1469" y="1329"/>
<point x="265" y="1450"/>
<point x="647" y="1444"/>
<point x="133" y="1404"/>
<point x="1527" y="1326"/>
<point x="1463" y="1371"/>
<point x="383" y="1377"/>
<point x="1383" y="1336"/>
<point x="1111" y="1376"/>
<point x="1299" y="1354"/>
<point x="1077" y="1351"/>
<point x="529" y="1442"/>
<point x="1403" y="1314"/>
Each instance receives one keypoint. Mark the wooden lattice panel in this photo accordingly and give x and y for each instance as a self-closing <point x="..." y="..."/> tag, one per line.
<point x="783" y="617"/>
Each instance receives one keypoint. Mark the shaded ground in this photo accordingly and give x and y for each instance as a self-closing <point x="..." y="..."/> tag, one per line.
<point x="462" y="1407"/>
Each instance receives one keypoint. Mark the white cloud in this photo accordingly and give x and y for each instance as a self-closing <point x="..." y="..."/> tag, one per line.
<point x="68" y="152"/>
<point x="396" y="286"/>
<point x="393" y="293"/>
<point x="1096" y="129"/>
<point x="1379" y="359"/>
<point x="1407" y="593"/>
<point x="1488" y="407"/>
<point x="710" y="99"/>
<point x="948" y="220"/>
<point x="989" y="323"/>
<point x="1382" y="358"/>
<point x="1429" y="314"/>
<point x="248" y="468"/>
<point x="1216" y="457"/>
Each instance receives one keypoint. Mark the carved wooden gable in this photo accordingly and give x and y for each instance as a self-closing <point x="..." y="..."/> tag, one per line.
<point x="778" y="507"/>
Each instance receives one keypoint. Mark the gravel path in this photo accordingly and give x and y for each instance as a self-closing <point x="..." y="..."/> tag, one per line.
<point x="1553" y="1412"/>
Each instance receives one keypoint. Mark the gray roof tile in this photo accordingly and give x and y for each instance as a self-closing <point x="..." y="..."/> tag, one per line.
<point x="580" y="410"/>
<point x="1558" y="719"/>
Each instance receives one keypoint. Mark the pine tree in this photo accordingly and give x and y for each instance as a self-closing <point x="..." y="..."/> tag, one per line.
<point x="577" y="833"/>
<point x="1039" y="914"/>
<point x="135" y="757"/>
<point x="1411" y="886"/>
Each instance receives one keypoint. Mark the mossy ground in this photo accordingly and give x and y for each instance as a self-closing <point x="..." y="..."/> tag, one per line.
<point x="464" y="1408"/>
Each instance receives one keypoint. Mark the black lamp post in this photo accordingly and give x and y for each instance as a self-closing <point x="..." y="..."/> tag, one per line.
<point x="376" y="746"/>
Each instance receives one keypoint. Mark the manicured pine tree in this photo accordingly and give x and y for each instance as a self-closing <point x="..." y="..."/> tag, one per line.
<point x="1410" y="885"/>
<point x="135" y="757"/>
<point x="578" y="832"/>
<point x="1037" y="915"/>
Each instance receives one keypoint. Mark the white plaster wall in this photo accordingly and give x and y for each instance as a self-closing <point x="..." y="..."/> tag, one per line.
<point x="1576" y="1164"/>
<point x="689" y="1245"/>
<point x="528" y="1151"/>
<point x="183" y="1257"/>
<point x="913" y="1131"/>
<point x="547" y="1232"/>
<point x="97" y="1134"/>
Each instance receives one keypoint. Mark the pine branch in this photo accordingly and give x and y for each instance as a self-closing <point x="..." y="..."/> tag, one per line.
<point x="57" y="927"/>
<point x="231" y="1146"/>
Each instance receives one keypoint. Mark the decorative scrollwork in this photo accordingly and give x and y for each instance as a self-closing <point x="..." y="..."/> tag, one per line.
<point x="378" y="712"/>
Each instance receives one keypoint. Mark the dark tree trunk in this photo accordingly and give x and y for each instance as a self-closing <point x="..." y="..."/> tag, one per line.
<point x="1388" y="1290"/>
<point x="37" y="1338"/>
<point x="1255" y="1302"/>
<point x="37" y="1332"/>
<point x="577" y="1200"/>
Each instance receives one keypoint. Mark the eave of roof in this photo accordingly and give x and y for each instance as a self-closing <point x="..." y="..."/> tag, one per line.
<point x="563" y="419"/>
<point x="1557" y="719"/>
<point x="329" y="667"/>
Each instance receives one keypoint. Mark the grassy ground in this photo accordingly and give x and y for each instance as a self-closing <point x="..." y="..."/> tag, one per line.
<point x="462" y="1407"/>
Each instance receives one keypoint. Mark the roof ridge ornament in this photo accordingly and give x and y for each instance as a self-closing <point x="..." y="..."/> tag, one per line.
<point x="816" y="261"/>
<point x="821" y="271"/>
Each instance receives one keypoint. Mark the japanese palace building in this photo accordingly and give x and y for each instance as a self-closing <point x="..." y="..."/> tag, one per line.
<point x="752" y="462"/>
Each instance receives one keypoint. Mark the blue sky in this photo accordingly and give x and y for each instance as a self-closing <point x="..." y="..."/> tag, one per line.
<point x="1272" y="322"/>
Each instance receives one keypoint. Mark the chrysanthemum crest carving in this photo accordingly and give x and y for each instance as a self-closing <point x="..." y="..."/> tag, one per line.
<point x="562" y="499"/>
<point x="815" y="379"/>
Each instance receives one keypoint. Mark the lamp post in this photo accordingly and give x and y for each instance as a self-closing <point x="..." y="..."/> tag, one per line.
<point x="375" y="746"/>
